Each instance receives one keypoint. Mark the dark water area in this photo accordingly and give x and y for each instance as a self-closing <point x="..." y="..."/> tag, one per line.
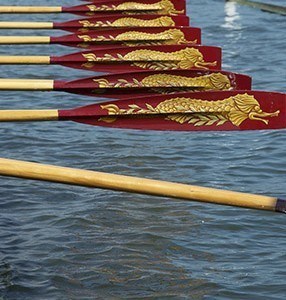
<point x="65" y="242"/>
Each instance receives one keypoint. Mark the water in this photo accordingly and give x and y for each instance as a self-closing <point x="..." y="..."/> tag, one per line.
<point x="65" y="242"/>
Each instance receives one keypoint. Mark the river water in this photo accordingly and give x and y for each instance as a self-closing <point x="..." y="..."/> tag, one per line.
<point x="65" y="242"/>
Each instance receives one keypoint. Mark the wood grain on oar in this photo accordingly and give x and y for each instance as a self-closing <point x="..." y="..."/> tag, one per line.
<point x="168" y="7"/>
<point x="125" y="59"/>
<point x="111" y="21"/>
<point x="36" y="171"/>
<point x="200" y="111"/>
<point x="143" y="83"/>
<point x="110" y="38"/>
<point x="277" y="9"/>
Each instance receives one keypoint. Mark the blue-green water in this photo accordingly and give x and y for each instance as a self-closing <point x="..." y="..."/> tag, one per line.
<point x="64" y="242"/>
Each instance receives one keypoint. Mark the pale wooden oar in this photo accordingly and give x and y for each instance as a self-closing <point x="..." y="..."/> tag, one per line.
<point x="166" y="7"/>
<point x="277" y="9"/>
<point x="21" y="169"/>
<point x="115" y="37"/>
<point x="126" y="59"/>
<point x="110" y="21"/>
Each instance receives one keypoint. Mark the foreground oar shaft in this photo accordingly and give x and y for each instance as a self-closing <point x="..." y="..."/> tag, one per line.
<point x="262" y="6"/>
<point x="79" y="177"/>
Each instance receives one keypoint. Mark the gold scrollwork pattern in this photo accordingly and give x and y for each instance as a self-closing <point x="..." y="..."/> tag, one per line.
<point x="162" y="7"/>
<point x="214" y="81"/>
<point x="235" y="109"/>
<point x="131" y="38"/>
<point x="156" y="60"/>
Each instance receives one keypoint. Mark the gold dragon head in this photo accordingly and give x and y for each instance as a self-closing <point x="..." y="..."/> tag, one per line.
<point x="177" y="36"/>
<point x="169" y="8"/>
<point x="219" y="81"/>
<point x="191" y="57"/>
<point x="247" y="107"/>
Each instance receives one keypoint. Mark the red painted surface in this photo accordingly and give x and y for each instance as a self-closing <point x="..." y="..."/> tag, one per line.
<point x="78" y="61"/>
<point x="76" y="26"/>
<point x="89" y="87"/>
<point x="179" y="5"/>
<point x="74" y="40"/>
<point x="268" y="102"/>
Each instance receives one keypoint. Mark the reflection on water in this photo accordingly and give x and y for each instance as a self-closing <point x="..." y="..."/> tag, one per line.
<point x="232" y="16"/>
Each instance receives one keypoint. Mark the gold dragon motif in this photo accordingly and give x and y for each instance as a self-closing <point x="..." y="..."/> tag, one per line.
<point x="132" y="38"/>
<point x="235" y="109"/>
<point x="164" y="21"/>
<point x="161" y="7"/>
<point x="156" y="60"/>
<point x="214" y="81"/>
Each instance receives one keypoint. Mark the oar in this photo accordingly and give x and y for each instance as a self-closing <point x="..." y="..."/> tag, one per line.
<point x="199" y="111"/>
<point x="168" y="7"/>
<point x="130" y="184"/>
<point x="106" y="38"/>
<point x="114" y="21"/>
<point x="123" y="85"/>
<point x="124" y="59"/>
<point x="277" y="9"/>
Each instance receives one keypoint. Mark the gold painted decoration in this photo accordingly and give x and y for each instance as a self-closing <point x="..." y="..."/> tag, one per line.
<point x="164" y="21"/>
<point x="214" y="81"/>
<point x="132" y="38"/>
<point x="235" y="109"/>
<point x="162" y="7"/>
<point x="156" y="60"/>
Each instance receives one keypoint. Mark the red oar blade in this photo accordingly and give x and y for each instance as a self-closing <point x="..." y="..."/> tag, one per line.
<point x="130" y="37"/>
<point x="122" y="21"/>
<point x="125" y="59"/>
<point x="203" y="111"/>
<point x="168" y="7"/>
<point x="144" y="83"/>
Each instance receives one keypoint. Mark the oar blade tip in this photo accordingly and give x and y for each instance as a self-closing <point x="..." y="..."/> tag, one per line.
<point x="280" y="206"/>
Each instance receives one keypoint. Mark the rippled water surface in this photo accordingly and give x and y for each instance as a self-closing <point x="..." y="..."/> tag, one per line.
<point x="65" y="242"/>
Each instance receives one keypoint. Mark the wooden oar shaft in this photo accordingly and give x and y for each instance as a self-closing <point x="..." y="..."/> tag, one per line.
<point x="263" y="6"/>
<point x="26" y="25"/>
<point x="30" y="9"/>
<point x="25" y="40"/>
<point x="79" y="177"/>
<point x="26" y="84"/>
<point x="28" y="115"/>
<point x="42" y="60"/>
